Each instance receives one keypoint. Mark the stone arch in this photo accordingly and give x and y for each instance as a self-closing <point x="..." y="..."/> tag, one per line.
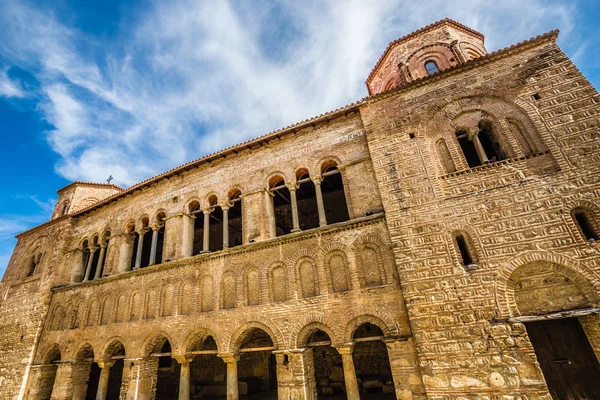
<point x="471" y="51"/>
<point x="229" y="290"/>
<point x="357" y="321"/>
<point x="369" y="248"/>
<point x="112" y="346"/>
<point x="200" y="334"/>
<point x="84" y="351"/>
<point x="129" y="226"/>
<point x="440" y="53"/>
<point x="211" y="199"/>
<point x="278" y="286"/>
<point x="269" y="327"/>
<point x="337" y="267"/>
<point x="157" y="214"/>
<point x="106" y="316"/>
<point x="58" y="316"/>
<point x="473" y="244"/>
<point x="154" y="342"/>
<point x="303" y="328"/>
<point x="151" y="304"/>
<point x="121" y="308"/>
<point x="136" y="310"/>
<point x="186" y="297"/>
<point x="193" y="202"/>
<point x="326" y="162"/>
<point x="92" y="313"/>
<point x="252" y="282"/>
<point x="168" y="300"/>
<point x="52" y="353"/>
<point x="581" y="276"/>
<point x="232" y="191"/>
<point x="275" y="176"/>
<point x="307" y="279"/>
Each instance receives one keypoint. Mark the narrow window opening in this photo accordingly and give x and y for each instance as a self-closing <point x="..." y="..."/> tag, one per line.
<point x="160" y="239"/>
<point x="411" y="135"/>
<point x="282" y="208"/>
<point x="135" y="238"/>
<point x="215" y="241"/>
<point x="165" y="361"/>
<point x="308" y="214"/>
<point x="235" y="219"/>
<point x="586" y="226"/>
<point x="431" y="67"/>
<point x="146" y="247"/>
<point x="468" y="148"/>
<point x="537" y="96"/>
<point x="463" y="248"/>
<point x="489" y="142"/>
<point x="334" y="197"/>
<point x="194" y="210"/>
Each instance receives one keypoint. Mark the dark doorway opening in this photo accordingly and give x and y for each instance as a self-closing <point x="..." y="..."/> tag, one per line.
<point x="235" y="219"/>
<point x="371" y="363"/>
<point x="282" y="208"/>
<point x="566" y="357"/>
<point x="334" y="198"/>
<point x="208" y="372"/>
<point x="256" y="368"/>
<point x="167" y="385"/>
<point x="329" y="370"/>
<point x="115" y="377"/>
<point x="308" y="214"/>
<point x="92" y="387"/>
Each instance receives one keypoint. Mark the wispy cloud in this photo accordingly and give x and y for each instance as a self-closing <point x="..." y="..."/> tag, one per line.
<point x="191" y="77"/>
<point x="10" y="88"/>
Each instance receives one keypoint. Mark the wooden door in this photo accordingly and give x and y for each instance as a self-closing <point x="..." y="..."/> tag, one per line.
<point x="567" y="360"/>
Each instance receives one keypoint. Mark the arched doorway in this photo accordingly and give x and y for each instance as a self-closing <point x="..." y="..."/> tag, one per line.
<point x="116" y="354"/>
<point x="372" y="364"/>
<point x="208" y="372"/>
<point x="168" y="373"/>
<point x="257" y="376"/>
<point x="552" y="301"/>
<point x="329" y="371"/>
<point x="85" y="374"/>
<point x="45" y="375"/>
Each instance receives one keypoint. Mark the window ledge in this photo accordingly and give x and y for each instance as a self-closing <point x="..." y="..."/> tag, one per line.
<point x="492" y="165"/>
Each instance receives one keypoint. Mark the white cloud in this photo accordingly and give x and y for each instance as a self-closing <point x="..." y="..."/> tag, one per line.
<point x="10" y="88"/>
<point x="192" y="77"/>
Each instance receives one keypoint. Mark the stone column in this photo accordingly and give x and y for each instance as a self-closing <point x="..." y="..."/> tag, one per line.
<point x="184" y="377"/>
<point x="125" y="252"/>
<point x="406" y="375"/>
<point x="270" y="214"/>
<point x="142" y="374"/>
<point x="88" y="269"/>
<point x="232" y="375"/>
<point x="352" y="392"/>
<point x="100" y="261"/>
<point x="187" y="245"/>
<point x="320" y="206"/>
<point x="78" y="267"/>
<point x="155" y="229"/>
<point x="295" y="374"/>
<point x="138" y="255"/>
<point x="206" y="237"/>
<point x="63" y="388"/>
<point x="225" y="209"/>
<point x="103" y="382"/>
<point x="479" y="148"/>
<point x="295" y="223"/>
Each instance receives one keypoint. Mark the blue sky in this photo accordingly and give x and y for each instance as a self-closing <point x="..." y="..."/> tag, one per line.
<point x="93" y="88"/>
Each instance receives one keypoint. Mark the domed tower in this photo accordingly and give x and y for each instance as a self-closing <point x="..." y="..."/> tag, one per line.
<point x="424" y="52"/>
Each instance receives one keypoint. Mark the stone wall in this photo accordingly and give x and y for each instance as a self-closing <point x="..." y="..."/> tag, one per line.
<point x="516" y="211"/>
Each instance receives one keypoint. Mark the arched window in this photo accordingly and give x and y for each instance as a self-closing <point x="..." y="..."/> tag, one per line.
<point x="480" y="147"/>
<point x="198" y="228"/>
<point x="334" y="196"/>
<point x="465" y="250"/>
<point x="586" y="223"/>
<point x="34" y="261"/>
<point x="234" y="219"/>
<point x="281" y="206"/>
<point x="215" y="226"/>
<point x="445" y="156"/>
<point x="308" y="213"/>
<point x="431" y="67"/>
<point x="64" y="209"/>
<point x="158" y="243"/>
<point x="134" y="241"/>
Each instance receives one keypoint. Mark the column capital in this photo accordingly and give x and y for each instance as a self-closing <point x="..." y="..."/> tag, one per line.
<point x="345" y="349"/>
<point x="105" y="364"/>
<point x="155" y="227"/>
<point x="317" y="179"/>
<point x="225" y="206"/>
<point x="229" y="357"/>
<point x="207" y="210"/>
<point x="292" y="186"/>
<point x="183" y="359"/>
<point x="142" y="231"/>
<point x="93" y="248"/>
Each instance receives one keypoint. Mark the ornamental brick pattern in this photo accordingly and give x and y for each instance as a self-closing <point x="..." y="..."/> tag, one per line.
<point x="400" y="247"/>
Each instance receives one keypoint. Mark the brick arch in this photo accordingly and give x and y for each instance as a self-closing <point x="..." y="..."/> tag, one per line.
<point x="245" y="270"/>
<point x="334" y="160"/>
<point x="273" y="174"/>
<point x="471" y="236"/>
<point x="189" y="201"/>
<point x="226" y="193"/>
<point x="582" y="276"/>
<point x="153" y="342"/>
<point x="387" y="270"/>
<point x="574" y="204"/>
<point x="384" y="321"/>
<point x="236" y="284"/>
<point x="299" y="332"/>
<point x="84" y="350"/>
<point x="268" y="268"/>
<point x="327" y="256"/>
<point x="200" y="334"/>
<point x="111" y="345"/>
<point x="156" y="213"/>
<point x="301" y="256"/>
<point x="50" y="353"/>
<point x="208" y="196"/>
<point x="259" y="322"/>
<point x="130" y="222"/>
<point x="440" y="53"/>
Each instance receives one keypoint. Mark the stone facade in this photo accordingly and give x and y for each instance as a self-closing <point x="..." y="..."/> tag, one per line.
<point x="399" y="247"/>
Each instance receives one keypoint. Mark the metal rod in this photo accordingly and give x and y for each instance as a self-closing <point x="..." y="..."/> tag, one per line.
<point x="203" y="352"/>
<point x="251" y="349"/>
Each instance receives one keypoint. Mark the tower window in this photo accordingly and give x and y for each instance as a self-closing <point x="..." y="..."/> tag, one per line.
<point x="586" y="224"/>
<point x="431" y="67"/>
<point x="465" y="250"/>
